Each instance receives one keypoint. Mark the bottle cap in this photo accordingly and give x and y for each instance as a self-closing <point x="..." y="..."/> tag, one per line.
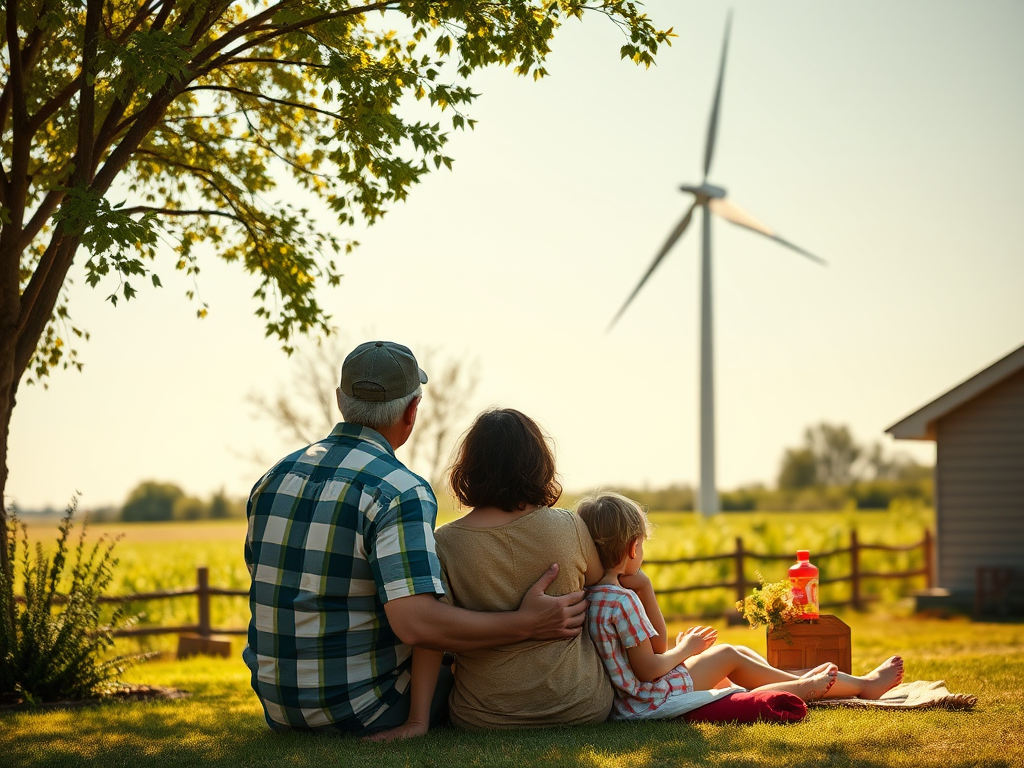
<point x="803" y="554"/>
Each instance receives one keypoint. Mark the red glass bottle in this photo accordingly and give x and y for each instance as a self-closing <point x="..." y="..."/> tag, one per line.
<point x="804" y="580"/>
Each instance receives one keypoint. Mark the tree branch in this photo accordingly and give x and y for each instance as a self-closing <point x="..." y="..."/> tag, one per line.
<point x="224" y="41"/>
<point x="43" y="213"/>
<point x="161" y="18"/>
<point x="48" y="109"/>
<point x="182" y="212"/>
<point x="205" y="175"/>
<point x="287" y="62"/>
<point x="37" y="314"/>
<point x="261" y="97"/>
<point x="269" y="147"/>
<point x="84" y="155"/>
<point x="15" y="188"/>
<point x="136" y="21"/>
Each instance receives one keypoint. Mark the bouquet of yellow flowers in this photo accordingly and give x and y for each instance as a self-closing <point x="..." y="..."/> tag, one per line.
<point x="771" y="605"/>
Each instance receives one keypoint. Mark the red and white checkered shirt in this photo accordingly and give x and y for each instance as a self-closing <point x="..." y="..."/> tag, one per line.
<point x="616" y="620"/>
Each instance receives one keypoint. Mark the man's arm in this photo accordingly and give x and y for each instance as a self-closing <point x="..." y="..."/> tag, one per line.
<point x="422" y="620"/>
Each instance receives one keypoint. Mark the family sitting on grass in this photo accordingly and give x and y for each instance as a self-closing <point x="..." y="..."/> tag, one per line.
<point x="366" y="620"/>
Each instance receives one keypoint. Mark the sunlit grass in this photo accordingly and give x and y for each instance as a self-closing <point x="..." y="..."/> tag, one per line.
<point x="221" y="724"/>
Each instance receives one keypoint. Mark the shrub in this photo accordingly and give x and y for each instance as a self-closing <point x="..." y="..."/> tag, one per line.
<point x="150" y="502"/>
<point x="54" y="646"/>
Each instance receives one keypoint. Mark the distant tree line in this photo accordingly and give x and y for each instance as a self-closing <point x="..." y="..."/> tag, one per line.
<point x="830" y="470"/>
<point x="151" y="502"/>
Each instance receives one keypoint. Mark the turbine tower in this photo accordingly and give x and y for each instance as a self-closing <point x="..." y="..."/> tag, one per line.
<point x="711" y="199"/>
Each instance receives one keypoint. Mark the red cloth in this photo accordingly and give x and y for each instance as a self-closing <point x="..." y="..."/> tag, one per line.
<point x="751" y="707"/>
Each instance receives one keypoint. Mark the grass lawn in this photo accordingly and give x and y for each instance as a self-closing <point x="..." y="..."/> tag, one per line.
<point x="221" y="724"/>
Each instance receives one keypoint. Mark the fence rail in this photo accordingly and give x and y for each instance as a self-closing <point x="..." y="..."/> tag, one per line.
<point x="203" y="591"/>
<point x="740" y="583"/>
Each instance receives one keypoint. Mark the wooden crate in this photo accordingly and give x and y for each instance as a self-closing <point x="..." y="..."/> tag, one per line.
<point x="806" y="644"/>
<point x="192" y="644"/>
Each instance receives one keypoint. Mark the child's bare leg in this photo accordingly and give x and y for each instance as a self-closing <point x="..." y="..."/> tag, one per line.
<point x="715" y="664"/>
<point x="727" y="683"/>
<point x="814" y="684"/>
<point x="758" y="657"/>
<point x="886" y="675"/>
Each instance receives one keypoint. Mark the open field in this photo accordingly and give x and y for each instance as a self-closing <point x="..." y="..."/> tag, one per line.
<point x="164" y="556"/>
<point x="221" y="723"/>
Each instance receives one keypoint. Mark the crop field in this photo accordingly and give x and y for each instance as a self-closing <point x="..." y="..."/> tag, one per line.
<point x="164" y="556"/>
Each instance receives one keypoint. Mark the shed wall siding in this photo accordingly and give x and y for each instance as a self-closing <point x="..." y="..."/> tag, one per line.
<point x="980" y="486"/>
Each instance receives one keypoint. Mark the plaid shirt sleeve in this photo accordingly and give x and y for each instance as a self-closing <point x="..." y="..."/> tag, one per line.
<point x="401" y="551"/>
<point x="630" y="621"/>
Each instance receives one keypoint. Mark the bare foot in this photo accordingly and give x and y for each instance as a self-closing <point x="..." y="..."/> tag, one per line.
<point x="819" y="669"/>
<point x="885" y="676"/>
<point x="815" y="683"/>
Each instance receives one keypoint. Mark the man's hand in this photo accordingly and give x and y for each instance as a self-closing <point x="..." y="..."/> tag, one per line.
<point x="553" y="618"/>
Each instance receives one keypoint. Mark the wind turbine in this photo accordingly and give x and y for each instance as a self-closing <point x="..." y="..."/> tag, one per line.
<point x="711" y="199"/>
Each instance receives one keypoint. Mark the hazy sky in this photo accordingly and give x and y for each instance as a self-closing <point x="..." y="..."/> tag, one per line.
<point x="888" y="138"/>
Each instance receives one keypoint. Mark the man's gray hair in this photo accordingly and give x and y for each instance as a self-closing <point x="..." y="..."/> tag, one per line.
<point x="378" y="416"/>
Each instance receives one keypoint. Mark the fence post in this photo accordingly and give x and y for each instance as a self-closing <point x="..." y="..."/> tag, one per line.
<point x="203" y="592"/>
<point x="929" y="558"/>
<point x="855" y="570"/>
<point x="741" y="584"/>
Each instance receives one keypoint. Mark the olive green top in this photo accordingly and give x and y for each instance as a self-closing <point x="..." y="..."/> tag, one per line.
<point x="532" y="683"/>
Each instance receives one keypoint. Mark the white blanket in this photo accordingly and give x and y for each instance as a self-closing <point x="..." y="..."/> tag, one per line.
<point x="920" y="694"/>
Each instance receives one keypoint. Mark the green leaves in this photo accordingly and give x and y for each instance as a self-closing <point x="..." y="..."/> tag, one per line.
<point x="205" y="109"/>
<point x="116" y="240"/>
<point x="148" y="58"/>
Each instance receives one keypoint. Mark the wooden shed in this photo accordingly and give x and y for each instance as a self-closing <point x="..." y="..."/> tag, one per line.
<point x="978" y="429"/>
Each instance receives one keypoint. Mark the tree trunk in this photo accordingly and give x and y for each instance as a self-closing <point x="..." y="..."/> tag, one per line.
<point x="10" y="305"/>
<point x="6" y="409"/>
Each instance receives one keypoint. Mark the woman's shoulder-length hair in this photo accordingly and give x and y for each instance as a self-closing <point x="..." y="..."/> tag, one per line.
<point x="504" y="460"/>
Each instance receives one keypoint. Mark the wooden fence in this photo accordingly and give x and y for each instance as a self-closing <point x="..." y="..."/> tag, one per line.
<point x="203" y="592"/>
<point x="740" y="583"/>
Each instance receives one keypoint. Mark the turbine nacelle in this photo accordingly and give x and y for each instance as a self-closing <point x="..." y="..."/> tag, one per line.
<point x="704" y="192"/>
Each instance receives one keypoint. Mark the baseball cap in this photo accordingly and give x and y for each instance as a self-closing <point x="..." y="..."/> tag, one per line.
<point x="379" y="371"/>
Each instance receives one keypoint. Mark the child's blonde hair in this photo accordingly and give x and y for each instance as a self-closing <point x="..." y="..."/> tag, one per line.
<point x="614" y="523"/>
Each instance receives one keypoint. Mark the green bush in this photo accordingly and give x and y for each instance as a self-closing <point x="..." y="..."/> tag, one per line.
<point x="151" y="502"/>
<point x="56" y="646"/>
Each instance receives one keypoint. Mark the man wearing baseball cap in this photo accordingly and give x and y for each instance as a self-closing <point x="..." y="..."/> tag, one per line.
<point x="345" y="578"/>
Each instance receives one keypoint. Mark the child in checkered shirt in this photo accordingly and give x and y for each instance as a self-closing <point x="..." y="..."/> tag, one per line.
<point x="626" y="625"/>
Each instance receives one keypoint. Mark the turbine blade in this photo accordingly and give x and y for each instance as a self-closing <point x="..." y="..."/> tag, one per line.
<point x="672" y="238"/>
<point x="733" y="213"/>
<point x="709" y="146"/>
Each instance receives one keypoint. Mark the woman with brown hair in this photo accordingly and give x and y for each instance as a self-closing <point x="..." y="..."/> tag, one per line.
<point x="504" y="471"/>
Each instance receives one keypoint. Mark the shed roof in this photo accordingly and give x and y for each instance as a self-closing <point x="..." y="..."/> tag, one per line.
<point x="920" y="425"/>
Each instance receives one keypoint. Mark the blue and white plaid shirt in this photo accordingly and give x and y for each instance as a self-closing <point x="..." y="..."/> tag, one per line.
<point x="335" y="531"/>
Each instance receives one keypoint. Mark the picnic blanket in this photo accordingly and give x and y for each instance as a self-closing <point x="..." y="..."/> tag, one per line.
<point x="920" y="694"/>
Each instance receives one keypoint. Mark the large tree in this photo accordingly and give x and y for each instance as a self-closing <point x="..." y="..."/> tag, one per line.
<point x="133" y="127"/>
